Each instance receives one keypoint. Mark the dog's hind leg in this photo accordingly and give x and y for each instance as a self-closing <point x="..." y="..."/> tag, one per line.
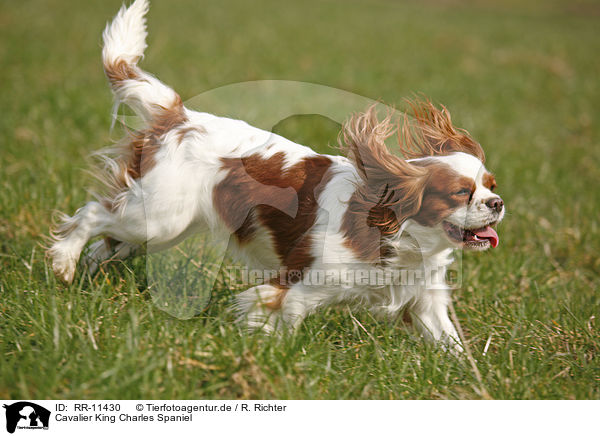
<point x="71" y="236"/>
<point x="94" y="219"/>
<point x="140" y="220"/>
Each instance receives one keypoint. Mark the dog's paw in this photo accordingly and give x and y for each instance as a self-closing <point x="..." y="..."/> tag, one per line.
<point x="453" y="345"/>
<point x="63" y="262"/>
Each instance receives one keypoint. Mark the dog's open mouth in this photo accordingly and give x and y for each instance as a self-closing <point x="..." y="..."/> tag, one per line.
<point x="481" y="238"/>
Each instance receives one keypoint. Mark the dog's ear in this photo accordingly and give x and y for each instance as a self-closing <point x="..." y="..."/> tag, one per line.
<point x="389" y="182"/>
<point x="428" y="131"/>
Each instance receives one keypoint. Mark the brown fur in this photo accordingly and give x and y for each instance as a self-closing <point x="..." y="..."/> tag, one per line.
<point x="145" y="144"/>
<point x="431" y="133"/>
<point x="182" y="133"/>
<point x="390" y="191"/>
<point x="489" y="181"/>
<point x="120" y="71"/>
<point x="259" y="191"/>
<point x="366" y="224"/>
<point x="277" y="301"/>
<point x="440" y="197"/>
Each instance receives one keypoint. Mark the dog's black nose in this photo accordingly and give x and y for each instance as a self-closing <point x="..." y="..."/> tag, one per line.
<point x="495" y="203"/>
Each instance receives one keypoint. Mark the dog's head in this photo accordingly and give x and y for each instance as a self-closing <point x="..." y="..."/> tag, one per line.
<point x="441" y="194"/>
<point x="458" y="201"/>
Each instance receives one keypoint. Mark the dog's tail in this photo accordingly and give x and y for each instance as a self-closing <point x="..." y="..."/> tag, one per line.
<point x="124" y="44"/>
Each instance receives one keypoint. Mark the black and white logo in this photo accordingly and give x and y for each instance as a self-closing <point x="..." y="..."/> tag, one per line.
<point x="26" y="415"/>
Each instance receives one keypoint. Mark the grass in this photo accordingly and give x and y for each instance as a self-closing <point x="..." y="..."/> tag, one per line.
<point x="522" y="78"/>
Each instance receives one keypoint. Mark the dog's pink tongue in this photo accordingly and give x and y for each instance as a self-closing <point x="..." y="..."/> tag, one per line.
<point x="488" y="233"/>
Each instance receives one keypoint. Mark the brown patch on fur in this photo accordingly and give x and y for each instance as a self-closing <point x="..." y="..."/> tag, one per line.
<point x="277" y="301"/>
<point x="119" y="71"/>
<point x="167" y="118"/>
<point x="442" y="194"/>
<point x="142" y="148"/>
<point x="365" y="225"/>
<point x="182" y="133"/>
<point x="144" y="144"/>
<point x="489" y="181"/>
<point x="431" y="133"/>
<point x="259" y="191"/>
<point x="390" y="190"/>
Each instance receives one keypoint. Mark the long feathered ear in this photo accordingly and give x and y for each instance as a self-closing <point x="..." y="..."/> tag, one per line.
<point x="430" y="132"/>
<point x="389" y="182"/>
<point x="364" y="142"/>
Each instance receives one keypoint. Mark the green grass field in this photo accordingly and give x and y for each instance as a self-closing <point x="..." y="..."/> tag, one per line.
<point x="523" y="79"/>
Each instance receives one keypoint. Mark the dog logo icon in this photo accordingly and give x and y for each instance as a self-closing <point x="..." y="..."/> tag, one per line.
<point x="26" y="415"/>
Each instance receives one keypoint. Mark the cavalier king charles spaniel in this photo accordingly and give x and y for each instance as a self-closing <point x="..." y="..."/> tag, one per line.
<point x="285" y="206"/>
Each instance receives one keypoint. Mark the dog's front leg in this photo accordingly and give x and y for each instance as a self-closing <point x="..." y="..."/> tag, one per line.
<point x="430" y="317"/>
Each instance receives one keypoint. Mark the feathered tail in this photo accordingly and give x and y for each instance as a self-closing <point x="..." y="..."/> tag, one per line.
<point x="124" y="45"/>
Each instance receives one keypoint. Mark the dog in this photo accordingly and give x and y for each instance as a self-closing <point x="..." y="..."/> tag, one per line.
<point x="285" y="206"/>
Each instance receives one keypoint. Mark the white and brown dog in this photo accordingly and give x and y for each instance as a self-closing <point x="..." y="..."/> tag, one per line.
<point x="286" y="205"/>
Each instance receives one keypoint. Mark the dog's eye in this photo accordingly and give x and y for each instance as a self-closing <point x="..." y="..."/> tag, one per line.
<point x="463" y="191"/>
<point x="493" y="187"/>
